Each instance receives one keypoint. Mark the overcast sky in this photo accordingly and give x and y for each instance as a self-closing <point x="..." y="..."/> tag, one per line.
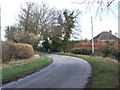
<point x="10" y="10"/>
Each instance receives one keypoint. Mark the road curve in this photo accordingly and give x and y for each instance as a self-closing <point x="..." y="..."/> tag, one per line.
<point x="64" y="72"/>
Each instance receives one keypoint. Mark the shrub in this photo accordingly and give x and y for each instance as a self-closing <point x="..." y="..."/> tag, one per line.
<point x="16" y="51"/>
<point x="106" y="51"/>
<point x="109" y="51"/>
<point x="17" y="35"/>
<point x="40" y="49"/>
<point x="6" y="51"/>
<point x="83" y="51"/>
<point x="21" y="51"/>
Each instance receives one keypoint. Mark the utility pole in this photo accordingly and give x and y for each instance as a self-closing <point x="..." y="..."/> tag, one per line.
<point x="92" y="36"/>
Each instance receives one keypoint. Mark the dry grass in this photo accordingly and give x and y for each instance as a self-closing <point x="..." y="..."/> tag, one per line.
<point x="20" y="61"/>
<point x="107" y="59"/>
<point x="103" y="58"/>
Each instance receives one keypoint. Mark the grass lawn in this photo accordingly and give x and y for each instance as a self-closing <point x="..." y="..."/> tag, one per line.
<point x="16" y="71"/>
<point x="104" y="71"/>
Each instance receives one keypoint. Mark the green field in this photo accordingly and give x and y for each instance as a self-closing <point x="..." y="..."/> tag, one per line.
<point x="17" y="71"/>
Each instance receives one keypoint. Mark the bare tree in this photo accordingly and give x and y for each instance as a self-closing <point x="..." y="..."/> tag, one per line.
<point x="42" y="22"/>
<point x="99" y="6"/>
<point x="25" y="17"/>
<point x="35" y="18"/>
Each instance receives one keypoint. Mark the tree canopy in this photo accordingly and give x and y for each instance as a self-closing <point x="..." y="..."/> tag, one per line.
<point x="41" y="23"/>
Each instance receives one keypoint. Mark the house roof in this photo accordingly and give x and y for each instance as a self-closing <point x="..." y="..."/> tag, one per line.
<point x="105" y="36"/>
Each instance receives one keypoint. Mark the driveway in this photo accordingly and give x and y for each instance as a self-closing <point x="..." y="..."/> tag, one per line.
<point x="64" y="72"/>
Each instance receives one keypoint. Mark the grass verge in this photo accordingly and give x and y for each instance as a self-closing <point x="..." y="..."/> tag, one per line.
<point x="104" y="72"/>
<point x="18" y="71"/>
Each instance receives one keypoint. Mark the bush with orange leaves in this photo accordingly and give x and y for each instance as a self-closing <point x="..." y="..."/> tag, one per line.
<point x="16" y="51"/>
<point x="89" y="44"/>
<point x="105" y="49"/>
<point x="83" y="44"/>
<point x="96" y="44"/>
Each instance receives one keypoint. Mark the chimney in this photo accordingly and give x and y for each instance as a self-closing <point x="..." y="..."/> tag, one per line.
<point x="110" y="31"/>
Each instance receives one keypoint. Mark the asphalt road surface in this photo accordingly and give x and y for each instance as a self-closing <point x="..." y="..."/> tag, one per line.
<point x="64" y="72"/>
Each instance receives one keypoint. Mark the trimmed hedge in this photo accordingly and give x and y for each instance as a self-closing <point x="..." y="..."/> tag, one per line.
<point x="107" y="51"/>
<point x="16" y="51"/>
<point x="6" y="51"/>
<point x="83" y="51"/>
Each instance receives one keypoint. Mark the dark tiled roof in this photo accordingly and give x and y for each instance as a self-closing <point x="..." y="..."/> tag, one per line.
<point x="105" y="36"/>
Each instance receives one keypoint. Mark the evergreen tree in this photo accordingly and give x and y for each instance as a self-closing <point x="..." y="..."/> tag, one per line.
<point x="68" y="25"/>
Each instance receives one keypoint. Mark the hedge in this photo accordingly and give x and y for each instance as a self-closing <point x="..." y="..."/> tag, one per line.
<point x="106" y="51"/>
<point x="83" y="51"/>
<point x="16" y="51"/>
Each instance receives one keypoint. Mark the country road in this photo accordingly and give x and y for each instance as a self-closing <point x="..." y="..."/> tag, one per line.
<point x="64" y="72"/>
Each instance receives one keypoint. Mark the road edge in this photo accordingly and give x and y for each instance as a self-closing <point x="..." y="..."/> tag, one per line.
<point x="90" y="78"/>
<point x="16" y="78"/>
